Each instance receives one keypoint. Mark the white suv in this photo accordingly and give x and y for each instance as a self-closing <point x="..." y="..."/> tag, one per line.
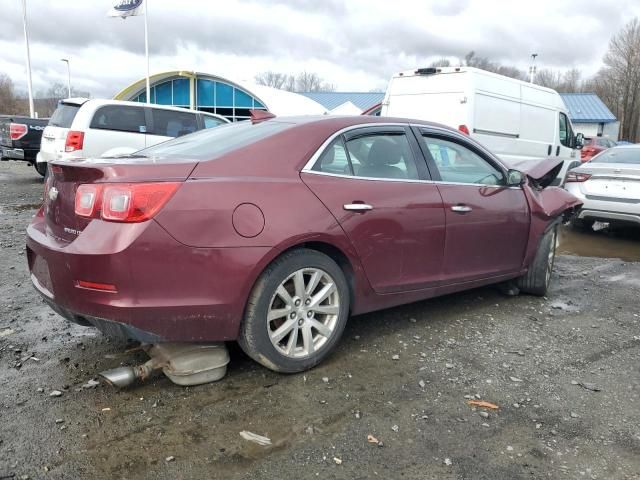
<point x="90" y="128"/>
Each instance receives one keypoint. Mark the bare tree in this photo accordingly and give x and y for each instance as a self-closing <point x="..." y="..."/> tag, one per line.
<point x="443" y="62"/>
<point x="47" y="100"/>
<point x="483" y="63"/>
<point x="272" y="79"/>
<point x="622" y="71"/>
<point x="10" y="101"/>
<point x="302" y="82"/>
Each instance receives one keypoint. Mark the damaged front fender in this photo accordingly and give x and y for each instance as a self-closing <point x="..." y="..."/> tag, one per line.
<point x="547" y="207"/>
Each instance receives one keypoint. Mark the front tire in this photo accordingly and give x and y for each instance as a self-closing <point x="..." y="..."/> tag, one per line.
<point x="296" y="312"/>
<point x="538" y="278"/>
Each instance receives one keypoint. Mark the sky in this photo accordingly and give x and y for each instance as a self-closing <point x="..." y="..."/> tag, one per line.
<point x="354" y="44"/>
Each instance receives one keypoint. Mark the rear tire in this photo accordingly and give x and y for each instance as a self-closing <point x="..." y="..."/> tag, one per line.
<point x="41" y="168"/>
<point x="296" y="312"/>
<point x="538" y="278"/>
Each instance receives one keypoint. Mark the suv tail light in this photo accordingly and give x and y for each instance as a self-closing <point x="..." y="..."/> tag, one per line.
<point x="123" y="202"/>
<point x="464" y="129"/>
<point x="74" y="142"/>
<point x="17" y="130"/>
<point x="577" y="177"/>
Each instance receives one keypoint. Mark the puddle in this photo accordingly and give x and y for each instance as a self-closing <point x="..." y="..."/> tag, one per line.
<point x="622" y="244"/>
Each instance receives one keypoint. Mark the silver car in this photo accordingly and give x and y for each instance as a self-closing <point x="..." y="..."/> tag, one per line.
<point x="609" y="186"/>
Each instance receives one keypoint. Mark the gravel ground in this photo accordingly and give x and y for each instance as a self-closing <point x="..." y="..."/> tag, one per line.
<point x="402" y="375"/>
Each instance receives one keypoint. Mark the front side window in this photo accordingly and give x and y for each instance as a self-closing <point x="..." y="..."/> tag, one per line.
<point x="170" y="123"/>
<point x="458" y="164"/>
<point x="120" y="118"/>
<point x="564" y="131"/>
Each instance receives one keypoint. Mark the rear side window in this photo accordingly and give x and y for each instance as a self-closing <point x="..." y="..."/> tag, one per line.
<point x="211" y="143"/>
<point x="618" y="155"/>
<point x="64" y="115"/>
<point x="170" y="123"/>
<point x="121" y="118"/>
<point x="211" y="122"/>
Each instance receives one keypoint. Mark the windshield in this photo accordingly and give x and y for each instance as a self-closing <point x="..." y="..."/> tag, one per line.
<point x="211" y="143"/>
<point x="618" y="155"/>
<point x="64" y="115"/>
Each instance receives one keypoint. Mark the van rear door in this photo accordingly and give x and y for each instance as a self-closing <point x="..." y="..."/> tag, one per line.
<point x="54" y="135"/>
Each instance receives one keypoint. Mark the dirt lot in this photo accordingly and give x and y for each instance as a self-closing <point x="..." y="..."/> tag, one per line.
<point x="402" y="375"/>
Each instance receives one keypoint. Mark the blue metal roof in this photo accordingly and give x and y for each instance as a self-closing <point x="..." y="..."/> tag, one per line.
<point x="331" y="100"/>
<point x="587" y="108"/>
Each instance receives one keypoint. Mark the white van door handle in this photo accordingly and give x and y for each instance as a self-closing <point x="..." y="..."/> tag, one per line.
<point x="461" y="208"/>
<point x="357" y="207"/>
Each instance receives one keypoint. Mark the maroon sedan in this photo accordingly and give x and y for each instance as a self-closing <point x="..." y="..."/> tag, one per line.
<point x="273" y="233"/>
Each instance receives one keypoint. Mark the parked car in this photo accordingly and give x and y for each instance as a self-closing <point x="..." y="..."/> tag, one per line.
<point x="20" y="138"/>
<point x="593" y="146"/>
<point x="90" y="128"/>
<point x="517" y="121"/>
<point x="272" y="233"/>
<point x="609" y="187"/>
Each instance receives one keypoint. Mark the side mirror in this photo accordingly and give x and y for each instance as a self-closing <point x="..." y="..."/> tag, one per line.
<point x="515" y="178"/>
<point x="579" y="141"/>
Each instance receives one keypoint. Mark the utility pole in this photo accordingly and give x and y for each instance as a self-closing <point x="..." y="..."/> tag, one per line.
<point x="532" y="68"/>
<point x="66" y="60"/>
<point x="28" y="59"/>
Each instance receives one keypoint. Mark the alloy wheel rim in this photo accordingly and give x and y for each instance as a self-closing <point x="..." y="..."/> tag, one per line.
<point x="303" y="313"/>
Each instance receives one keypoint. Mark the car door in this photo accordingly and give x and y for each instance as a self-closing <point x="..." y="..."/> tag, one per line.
<point x="371" y="182"/>
<point x="115" y="126"/>
<point x="487" y="222"/>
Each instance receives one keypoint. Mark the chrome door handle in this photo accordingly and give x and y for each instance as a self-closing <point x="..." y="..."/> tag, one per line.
<point x="357" y="207"/>
<point x="461" y="208"/>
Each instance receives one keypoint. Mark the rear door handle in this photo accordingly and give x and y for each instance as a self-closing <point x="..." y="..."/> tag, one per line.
<point x="357" y="207"/>
<point x="549" y="150"/>
<point x="461" y="208"/>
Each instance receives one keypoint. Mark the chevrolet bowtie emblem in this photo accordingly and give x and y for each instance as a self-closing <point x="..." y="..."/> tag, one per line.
<point x="53" y="193"/>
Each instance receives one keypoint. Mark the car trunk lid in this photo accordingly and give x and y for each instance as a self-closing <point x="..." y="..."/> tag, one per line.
<point x="66" y="176"/>
<point x="611" y="180"/>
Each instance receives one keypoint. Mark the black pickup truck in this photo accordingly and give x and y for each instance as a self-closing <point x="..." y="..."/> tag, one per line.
<point x="20" y="139"/>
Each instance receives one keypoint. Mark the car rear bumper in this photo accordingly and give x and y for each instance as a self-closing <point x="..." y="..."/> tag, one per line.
<point x="607" y="216"/>
<point x="165" y="291"/>
<point x="12" y="153"/>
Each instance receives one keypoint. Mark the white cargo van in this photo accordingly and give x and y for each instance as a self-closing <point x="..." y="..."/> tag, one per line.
<point x="90" y="128"/>
<point x="516" y="120"/>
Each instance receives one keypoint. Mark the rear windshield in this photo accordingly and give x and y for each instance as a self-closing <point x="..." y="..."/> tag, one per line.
<point x="64" y="115"/>
<point x="618" y="155"/>
<point x="211" y="143"/>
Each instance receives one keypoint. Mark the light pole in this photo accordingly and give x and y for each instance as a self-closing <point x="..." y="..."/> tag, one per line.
<point x="532" y="68"/>
<point x="66" y="60"/>
<point x="28" y="57"/>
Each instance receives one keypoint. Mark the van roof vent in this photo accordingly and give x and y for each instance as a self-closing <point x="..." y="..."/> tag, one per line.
<point x="427" y="71"/>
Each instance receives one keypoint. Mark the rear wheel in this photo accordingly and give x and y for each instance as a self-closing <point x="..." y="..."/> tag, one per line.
<point x="41" y="168"/>
<point x="296" y="313"/>
<point x="538" y="278"/>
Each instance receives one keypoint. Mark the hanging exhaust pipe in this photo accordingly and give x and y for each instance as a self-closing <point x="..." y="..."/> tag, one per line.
<point x="183" y="363"/>
<point x="124" y="376"/>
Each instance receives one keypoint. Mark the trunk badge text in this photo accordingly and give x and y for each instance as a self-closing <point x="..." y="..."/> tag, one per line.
<point x="72" y="231"/>
<point x="53" y="193"/>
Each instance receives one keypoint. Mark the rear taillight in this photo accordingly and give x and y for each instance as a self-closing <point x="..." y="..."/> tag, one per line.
<point x="88" y="199"/>
<point x="577" y="177"/>
<point x="17" y="130"/>
<point x="464" y="129"/>
<point x="123" y="202"/>
<point x="74" y="142"/>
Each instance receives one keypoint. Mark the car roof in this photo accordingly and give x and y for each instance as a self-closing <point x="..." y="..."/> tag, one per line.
<point x="340" y="121"/>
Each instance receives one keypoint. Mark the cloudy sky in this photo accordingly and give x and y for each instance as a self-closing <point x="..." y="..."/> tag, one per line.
<point x="355" y="44"/>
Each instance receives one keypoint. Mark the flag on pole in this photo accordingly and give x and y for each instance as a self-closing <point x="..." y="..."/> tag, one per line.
<point x="126" y="8"/>
<point x="129" y="8"/>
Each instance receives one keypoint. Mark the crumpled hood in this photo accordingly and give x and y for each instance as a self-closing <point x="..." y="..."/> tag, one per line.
<point x="541" y="172"/>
